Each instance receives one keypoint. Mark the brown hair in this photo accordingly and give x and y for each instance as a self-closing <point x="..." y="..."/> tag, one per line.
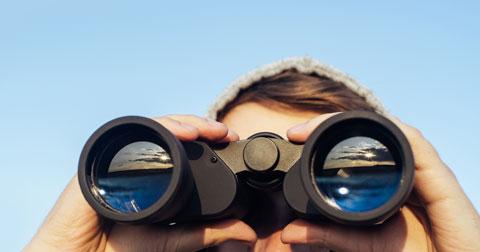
<point x="305" y="92"/>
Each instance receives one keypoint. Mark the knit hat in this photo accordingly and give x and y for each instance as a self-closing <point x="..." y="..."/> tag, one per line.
<point x="304" y="65"/>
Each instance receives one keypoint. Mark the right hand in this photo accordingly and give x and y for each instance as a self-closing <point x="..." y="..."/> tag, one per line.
<point x="72" y="225"/>
<point x="438" y="217"/>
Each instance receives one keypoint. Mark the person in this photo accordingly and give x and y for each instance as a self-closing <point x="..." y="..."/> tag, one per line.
<point x="289" y="97"/>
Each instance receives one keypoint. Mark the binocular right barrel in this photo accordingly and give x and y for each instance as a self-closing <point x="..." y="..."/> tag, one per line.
<point x="356" y="168"/>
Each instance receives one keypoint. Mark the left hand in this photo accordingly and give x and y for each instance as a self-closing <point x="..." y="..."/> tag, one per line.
<point x="443" y="219"/>
<point x="73" y="225"/>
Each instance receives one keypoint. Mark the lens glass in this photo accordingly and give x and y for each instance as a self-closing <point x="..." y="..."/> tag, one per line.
<point x="359" y="174"/>
<point x="137" y="176"/>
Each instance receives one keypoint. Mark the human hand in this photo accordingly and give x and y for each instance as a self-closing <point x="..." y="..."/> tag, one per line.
<point x="441" y="219"/>
<point x="72" y="225"/>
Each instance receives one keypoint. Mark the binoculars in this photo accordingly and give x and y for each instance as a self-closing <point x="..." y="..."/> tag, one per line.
<point x="356" y="168"/>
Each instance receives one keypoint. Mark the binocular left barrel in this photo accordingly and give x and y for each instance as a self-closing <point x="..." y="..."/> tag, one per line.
<point x="356" y="168"/>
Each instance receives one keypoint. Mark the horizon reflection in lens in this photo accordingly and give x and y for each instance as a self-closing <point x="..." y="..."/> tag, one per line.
<point x="137" y="177"/>
<point x="359" y="174"/>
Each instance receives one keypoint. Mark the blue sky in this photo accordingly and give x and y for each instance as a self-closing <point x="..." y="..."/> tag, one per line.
<point x="67" y="67"/>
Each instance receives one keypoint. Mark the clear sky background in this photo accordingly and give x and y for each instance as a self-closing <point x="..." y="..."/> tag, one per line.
<point x="67" y="67"/>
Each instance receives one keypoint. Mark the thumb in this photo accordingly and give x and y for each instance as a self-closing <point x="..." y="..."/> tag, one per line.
<point x="300" y="132"/>
<point x="71" y="219"/>
<point x="72" y="212"/>
<point x="213" y="234"/>
<point x="177" y="237"/>
<point x="326" y="235"/>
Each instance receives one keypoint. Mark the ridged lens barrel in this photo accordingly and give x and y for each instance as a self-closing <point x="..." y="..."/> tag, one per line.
<point x="132" y="169"/>
<point x="357" y="168"/>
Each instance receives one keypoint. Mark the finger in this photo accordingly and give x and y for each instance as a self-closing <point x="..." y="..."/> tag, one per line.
<point x="439" y="190"/>
<point x="331" y="236"/>
<point x="218" y="233"/>
<point x="71" y="219"/>
<point x="208" y="129"/>
<point x="431" y="171"/>
<point x="72" y="209"/>
<point x="193" y="238"/>
<point x="299" y="133"/>
<point x="347" y="238"/>
<point x="424" y="149"/>
<point x="402" y="232"/>
<point x="182" y="237"/>
<point x="230" y="137"/>
<point x="183" y="131"/>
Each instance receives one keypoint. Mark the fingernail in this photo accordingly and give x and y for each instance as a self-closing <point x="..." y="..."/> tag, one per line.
<point x="293" y="234"/>
<point x="189" y="127"/>
<point x="216" y="124"/>
<point x="298" y="129"/>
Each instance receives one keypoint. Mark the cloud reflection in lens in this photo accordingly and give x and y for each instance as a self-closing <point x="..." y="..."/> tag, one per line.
<point x="359" y="174"/>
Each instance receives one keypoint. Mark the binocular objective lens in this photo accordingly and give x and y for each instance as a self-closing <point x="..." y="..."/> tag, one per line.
<point x="136" y="177"/>
<point x="359" y="174"/>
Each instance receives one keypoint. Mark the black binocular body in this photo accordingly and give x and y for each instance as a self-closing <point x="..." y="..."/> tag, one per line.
<point x="356" y="168"/>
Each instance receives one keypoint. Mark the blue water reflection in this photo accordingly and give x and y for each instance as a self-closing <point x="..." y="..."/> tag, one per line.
<point x="137" y="177"/>
<point x="133" y="193"/>
<point x="361" y="191"/>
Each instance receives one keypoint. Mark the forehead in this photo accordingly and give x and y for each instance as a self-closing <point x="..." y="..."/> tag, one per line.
<point x="250" y="118"/>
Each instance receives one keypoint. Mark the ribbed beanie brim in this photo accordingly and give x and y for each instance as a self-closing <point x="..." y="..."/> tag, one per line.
<point x="304" y="65"/>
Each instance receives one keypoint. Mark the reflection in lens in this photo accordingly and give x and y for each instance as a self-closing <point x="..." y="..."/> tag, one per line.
<point x="359" y="174"/>
<point x="137" y="177"/>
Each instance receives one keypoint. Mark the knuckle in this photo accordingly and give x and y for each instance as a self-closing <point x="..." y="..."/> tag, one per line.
<point x="415" y="132"/>
<point x="192" y="116"/>
<point x="167" y="118"/>
<point x="170" y="116"/>
<point x="212" y="236"/>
